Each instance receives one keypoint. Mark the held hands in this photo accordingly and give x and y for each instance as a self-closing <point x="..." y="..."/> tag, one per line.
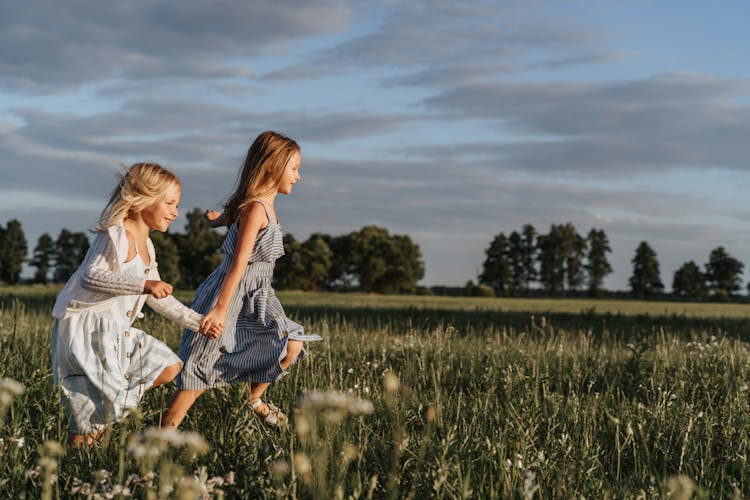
<point x="158" y="289"/>
<point x="212" y="324"/>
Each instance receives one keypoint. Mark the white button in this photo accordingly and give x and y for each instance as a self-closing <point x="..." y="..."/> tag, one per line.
<point x="127" y="333"/>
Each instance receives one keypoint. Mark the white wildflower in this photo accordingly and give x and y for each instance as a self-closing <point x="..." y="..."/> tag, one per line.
<point x="391" y="382"/>
<point x="322" y="401"/>
<point x="9" y="389"/>
<point x="302" y="464"/>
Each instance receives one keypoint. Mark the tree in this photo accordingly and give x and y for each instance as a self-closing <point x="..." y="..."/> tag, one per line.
<point x="574" y="267"/>
<point x="645" y="281"/>
<point x="497" y="271"/>
<point x="13" y="251"/>
<point x="44" y="253"/>
<point x="383" y="263"/>
<point x="515" y="256"/>
<point x="551" y="261"/>
<point x="316" y="259"/>
<point x="167" y="255"/>
<point x="199" y="249"/>
<point x="723" y="272"/>
<point x="406" y="268"/>
<point x="70" y="249"/>
<point x="689" y="281"/>
<point x="561" y="253"/>
<point x="289" y="271"/>
<point x="530" y="249"/>
<point x="342" y="273"/>
<point x="597" y="265"/>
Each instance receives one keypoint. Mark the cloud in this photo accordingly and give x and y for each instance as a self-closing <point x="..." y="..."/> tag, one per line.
<point x="610" y="128"/>
<point x="49" y="46"/>
<point x="438" y="43"/>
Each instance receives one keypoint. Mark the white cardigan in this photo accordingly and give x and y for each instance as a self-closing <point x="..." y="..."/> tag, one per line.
<point x="99" y="279"/>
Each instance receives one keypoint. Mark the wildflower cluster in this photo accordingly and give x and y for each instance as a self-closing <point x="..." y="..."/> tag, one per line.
<point x="698" y="348"/>
<point x="334" y="405"/>
<point x="154" y="441"/>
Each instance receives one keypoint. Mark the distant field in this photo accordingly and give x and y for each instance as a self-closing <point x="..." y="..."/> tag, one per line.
<point x="535" y="305"/>
<point x="531" y="305"/>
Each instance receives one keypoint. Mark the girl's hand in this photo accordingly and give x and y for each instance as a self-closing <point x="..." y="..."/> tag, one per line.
<point x="211" y="215"/>
<point x="214" y="218"/>
<point x="212" y="323"/>
<point x="158" y="289"/>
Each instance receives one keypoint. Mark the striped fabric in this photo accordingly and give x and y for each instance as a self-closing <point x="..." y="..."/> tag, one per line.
<point x="257" y="329"/>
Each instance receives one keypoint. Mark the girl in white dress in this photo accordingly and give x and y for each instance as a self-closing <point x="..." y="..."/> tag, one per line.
<point x="100" y="361"/>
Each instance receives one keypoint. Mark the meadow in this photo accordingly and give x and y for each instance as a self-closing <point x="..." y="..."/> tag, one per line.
<point x="418" y="397"/>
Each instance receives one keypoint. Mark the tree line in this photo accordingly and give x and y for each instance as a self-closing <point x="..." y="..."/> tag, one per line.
<point x="370" y="260"/>
<point x="564" y="261"/>
<point x="560" y="262"/>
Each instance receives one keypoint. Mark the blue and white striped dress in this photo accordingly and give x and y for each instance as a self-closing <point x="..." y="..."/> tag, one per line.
<point x="256" y="330"/>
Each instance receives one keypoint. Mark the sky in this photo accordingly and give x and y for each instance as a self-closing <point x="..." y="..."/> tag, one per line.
<point x="447" y="121"/>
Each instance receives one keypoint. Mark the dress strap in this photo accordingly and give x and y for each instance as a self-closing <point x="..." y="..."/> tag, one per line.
<point x="268" y="215"/>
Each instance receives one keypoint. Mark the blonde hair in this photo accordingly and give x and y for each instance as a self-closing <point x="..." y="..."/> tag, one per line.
<point x="140" y="187"/>
<point x="261" y="172"/>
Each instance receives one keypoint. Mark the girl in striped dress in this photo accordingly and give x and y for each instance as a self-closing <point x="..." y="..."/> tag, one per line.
<point x="259" y="342"/>
<point x="100" y="361"/>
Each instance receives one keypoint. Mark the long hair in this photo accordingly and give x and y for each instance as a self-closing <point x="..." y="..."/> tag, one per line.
<point x="261" y="172"/>
<point x="140" y="186"/>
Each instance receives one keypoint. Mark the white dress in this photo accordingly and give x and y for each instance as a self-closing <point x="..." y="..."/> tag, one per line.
<point x="100" y="361"/>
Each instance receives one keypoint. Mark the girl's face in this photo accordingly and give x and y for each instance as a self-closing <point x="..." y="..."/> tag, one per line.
<point x="163" y="212"/>
<point x="290" y="175"/>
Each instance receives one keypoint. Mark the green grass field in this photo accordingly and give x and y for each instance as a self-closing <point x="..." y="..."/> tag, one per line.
<point x="471" y="398"/>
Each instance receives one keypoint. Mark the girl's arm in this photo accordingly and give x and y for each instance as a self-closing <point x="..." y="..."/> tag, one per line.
<point x="216" y="219"/>
<point x="175" y="311"/>
<point x="98" y="275"/>
<point x="250" y="223"/>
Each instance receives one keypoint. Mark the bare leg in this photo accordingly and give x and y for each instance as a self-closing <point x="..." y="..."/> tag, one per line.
<point x="167" y="375"/>
<point x="255" y="390"/>
<point x="179" y="404"/>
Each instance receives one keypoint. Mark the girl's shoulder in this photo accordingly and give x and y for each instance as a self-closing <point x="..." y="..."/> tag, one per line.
<point x="117" y="235"/>
<point x="256" y="210"/>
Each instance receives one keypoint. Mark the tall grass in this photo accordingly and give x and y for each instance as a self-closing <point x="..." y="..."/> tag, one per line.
<point x="465" y="404"/>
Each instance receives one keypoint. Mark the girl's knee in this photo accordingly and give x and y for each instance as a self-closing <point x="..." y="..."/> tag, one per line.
<point x="168" y="374"/>
<point x="171" y="372"/>
<point x="293" y="350"/>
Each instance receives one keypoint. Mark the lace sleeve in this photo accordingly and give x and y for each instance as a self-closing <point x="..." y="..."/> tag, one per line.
<point x="98" y="270"/>
<point x="176" y="311"/>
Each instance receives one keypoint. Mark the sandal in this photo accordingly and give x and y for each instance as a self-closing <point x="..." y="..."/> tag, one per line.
<point x="91" y="440"/>
<point x="269" y="414"/>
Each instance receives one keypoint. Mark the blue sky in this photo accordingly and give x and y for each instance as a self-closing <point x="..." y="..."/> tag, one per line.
<point x="450" y="122"/>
